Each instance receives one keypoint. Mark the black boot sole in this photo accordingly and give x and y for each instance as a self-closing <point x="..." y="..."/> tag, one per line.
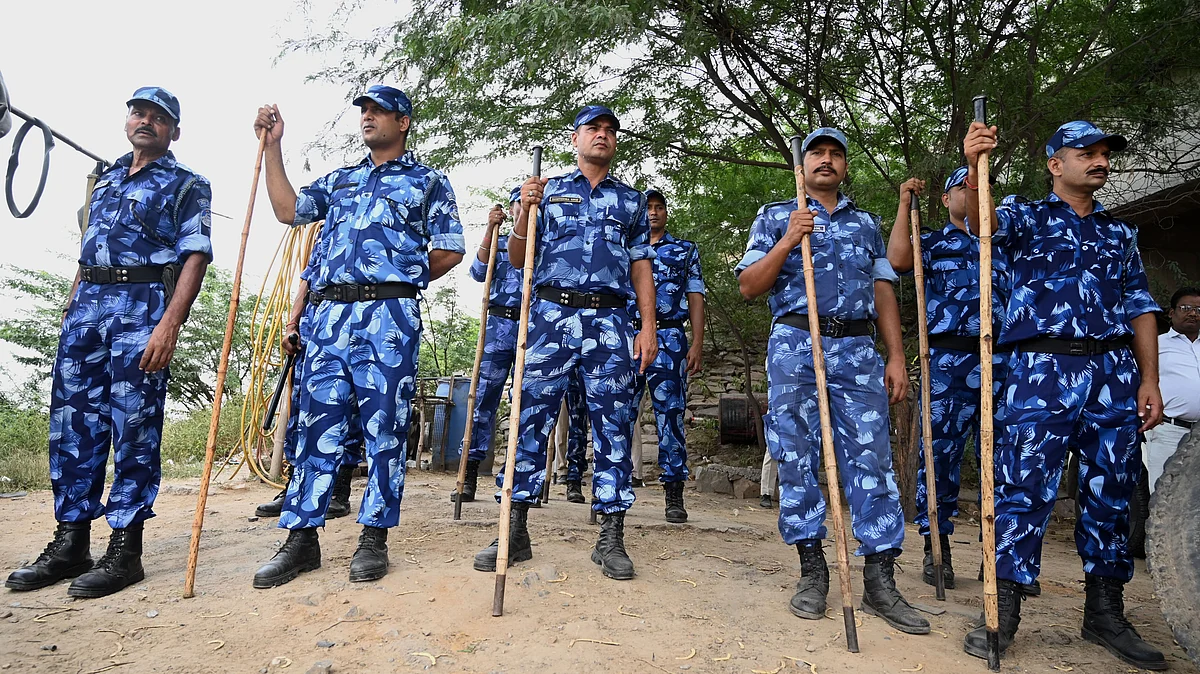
<point x="609" y="572"/>
<point x="576" y="499"/>
<point x="678" y="519"/>
<point x="73" y="572"/>
<point x="907" y="629"/>
<point x="467" y="498"/>
<point x="980" y="653"/>
<point x="367" y="576"/>
<point x="1156" y="665"/>
<point x="807" y="615"/>
<point x="513" y="558"/>
<point x="928" y="578"/>
<point x="259" y="512"/>
<point x="285" y="577"/>
<point x="96" y="593"/>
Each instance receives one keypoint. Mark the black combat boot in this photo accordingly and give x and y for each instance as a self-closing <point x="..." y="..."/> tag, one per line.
<point x="813" y="586"/>
<point x="882" y="599"/>
<point x="1028" y="590"/>
<point x="947" y="567"/>
<point x="67" y="556"/>
<point x="370" y="561"/>
<point x="764" y="502"/>
<point x="470" y="483"/>
<point x="676" y="513"/>
<point x="609" y="552"/>
<point x="520" y="546"/>
<point x="300" y="552"/>
<point x="575" y="491"/>
<point x="1008" y="600"/>
<point x="271" y="508"/>
<point x="120" y="567"/>
<point x="339" y="504"/>
<point x="1104" y="623"/>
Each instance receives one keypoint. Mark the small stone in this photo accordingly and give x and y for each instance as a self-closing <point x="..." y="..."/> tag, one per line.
<point x="50" y="647"/>
<point x="6" y="614"/>
<point x="251" y="519"/>
<point x="325" y="644"/>
<point x="425" y="632"/>
<point x="812" y="649"/>
<point x="321" y="667"/>
<point x="152" y="614"/>
<point x="354" y="612"/>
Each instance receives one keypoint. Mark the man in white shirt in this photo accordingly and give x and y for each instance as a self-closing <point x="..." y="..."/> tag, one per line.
<point x="1179" y="379"/>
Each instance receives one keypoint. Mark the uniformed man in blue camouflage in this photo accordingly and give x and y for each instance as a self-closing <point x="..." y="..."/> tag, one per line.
<point x="1083" y="373"/>
<point x="593" y="249"/>
<point x="679" y="293"/>
<point x="853" y="290"/>
<point x="299" y="328"/>
<point x="391" y="226"/>
<point x="144" y="255"/>
<point x="575" y="404"/>
<point x="950" y="261"/>
<point x="500" y="347"/>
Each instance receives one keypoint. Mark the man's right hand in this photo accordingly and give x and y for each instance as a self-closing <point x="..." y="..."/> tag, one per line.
<point x="270" y="121"/>
<point x="496" y="217"/>
<point x="531" y="192"/>
<point x="291" y="342"/>
<point x="800" y="224"/>
<point x="980" y="138"/>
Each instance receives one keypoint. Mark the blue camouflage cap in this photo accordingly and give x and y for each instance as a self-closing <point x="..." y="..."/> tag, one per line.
<point x="158" y="96"/>
<point x="824" y="132"/>
<point x="591" y="112"/>
<point x="1080" y="134"/>
<point x="956" y="178"/>
<point x="388" y="98"/>
<point x="654" y="193"/>
<point x="515" y="194"/>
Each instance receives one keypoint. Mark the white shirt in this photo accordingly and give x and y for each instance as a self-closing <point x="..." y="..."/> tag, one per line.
<point x="1179" y="375"/>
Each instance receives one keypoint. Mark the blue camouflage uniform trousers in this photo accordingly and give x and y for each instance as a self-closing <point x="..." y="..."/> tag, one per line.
<point x="362" y="356"/>
<point x="667" y="379"/>
<point x="499" y="352"/>
<point x="598" y="343"/>
<point x="100" y="398"/>
<point x="577" y="429"/>
<point x="353" y="441"/>
<point x="859" y="413"/>
<point x="1049" y="403"/>
<point x="954" y="415"/>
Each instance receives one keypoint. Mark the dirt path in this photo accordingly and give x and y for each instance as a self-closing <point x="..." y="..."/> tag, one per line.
<point x="710" y="596"/>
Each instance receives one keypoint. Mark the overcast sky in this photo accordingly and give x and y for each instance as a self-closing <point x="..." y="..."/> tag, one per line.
<point x="74" y="64"/>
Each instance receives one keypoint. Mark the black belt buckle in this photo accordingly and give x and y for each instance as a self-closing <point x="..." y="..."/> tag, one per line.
<point x="1081" y="348"/>
<point x="592" y="301"/>
<point x="834" y="327"/>
<point x="567" y="299"/>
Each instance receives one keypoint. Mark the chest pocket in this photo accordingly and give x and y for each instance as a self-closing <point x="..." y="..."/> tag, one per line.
<point x="341" y="202"/>
<point x="613" y="230"/>
<point x="561" y="222"/>
<point x="150" y="212"/>
<point x="951" y="270"/>
<point x="672" y="265"/>
<point x="856" y="253"/>
<point x="1109" y="254"/>
<point x="404" y="210"/>
<point x="1051" y="257"/>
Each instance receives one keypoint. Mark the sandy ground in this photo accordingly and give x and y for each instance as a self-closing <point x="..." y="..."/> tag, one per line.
<point x="710" y="596"/>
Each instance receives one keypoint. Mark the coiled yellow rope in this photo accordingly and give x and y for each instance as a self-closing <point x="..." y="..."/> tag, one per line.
<point x="270" y="316"/>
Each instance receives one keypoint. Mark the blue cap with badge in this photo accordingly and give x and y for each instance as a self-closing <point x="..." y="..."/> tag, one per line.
<point x="592" y="112"/>
<point x="388" y="98"/>
<point x="158" y="96"/>
<point x="515" y="194"/>
<point x="825" y="132"/>
<point x="1080" y="134"/>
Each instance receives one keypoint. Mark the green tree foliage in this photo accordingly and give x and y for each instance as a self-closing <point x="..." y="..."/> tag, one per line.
<point x="709" y="92"/>
<point x="448" y="337"/>
<point x="35" y="331"/>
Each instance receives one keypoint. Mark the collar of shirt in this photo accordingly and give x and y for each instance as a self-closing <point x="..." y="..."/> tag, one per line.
<point x="842" y="203"/>
<point x="666" y="238"/>
<point x="167" y="162"/>
<point x="577" y="175"/>
<point x="1097" y="207"/>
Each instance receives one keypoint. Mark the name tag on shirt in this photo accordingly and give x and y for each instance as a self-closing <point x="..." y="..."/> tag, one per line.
<point x="566" y="199"/>
<point x="818" y="229"/>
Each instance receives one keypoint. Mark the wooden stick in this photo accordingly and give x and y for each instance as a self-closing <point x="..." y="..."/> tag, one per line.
<point x="931" y="501"/>
<point x="471" y="393"/>
<point x="514" y="414"/>
<point x="987" y="474"/>
<point x="831" y="470"/>
<point x="210" y="446"/>
<point x="550" y="452"/>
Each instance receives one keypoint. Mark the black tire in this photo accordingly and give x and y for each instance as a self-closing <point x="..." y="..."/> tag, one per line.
<point x="1173" y="544"/>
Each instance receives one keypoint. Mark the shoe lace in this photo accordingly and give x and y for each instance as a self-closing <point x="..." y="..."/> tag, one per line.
<point x="53" y="547"/>
<point x="373" y="538"/>
<point x="613" y="537"/>
<point x="115" y="543"/>
<point x="293" y="544"/>
<point x="1113" y="602"/>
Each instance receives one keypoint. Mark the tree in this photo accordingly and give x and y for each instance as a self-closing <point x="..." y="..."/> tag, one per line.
<point x="449" y="337"/>
<point x="36" y="333"/>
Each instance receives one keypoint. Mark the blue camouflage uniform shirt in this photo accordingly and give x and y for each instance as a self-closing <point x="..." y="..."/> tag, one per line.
<point x="140" y="221"/>
<point x="380" y="222"/>
<point x="587" y="238"/>
<point x="1070" y="277"/>
<point x="848" y="258"/>
<point x="676" y="273"/>
<point x="506" y="279"/>
<point x="950" y="257"/>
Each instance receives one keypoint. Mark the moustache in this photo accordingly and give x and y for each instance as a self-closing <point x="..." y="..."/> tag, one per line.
<point x="147" y="129"/>
<point x="1098" y="172"/>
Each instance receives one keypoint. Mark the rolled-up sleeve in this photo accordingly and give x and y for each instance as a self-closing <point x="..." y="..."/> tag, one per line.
<point x="195" y="222"/>
<point x="312" y="204"/>
<point x="478" y="269"/>
<point x="695" y="280"/>
<point x="1136" y="297"/>
<point x="763" y="237"/>
<point x="881" y="269"/>
<point x="444" y="227"/>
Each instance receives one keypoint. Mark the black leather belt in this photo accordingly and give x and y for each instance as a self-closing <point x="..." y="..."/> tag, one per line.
<point x="949" y="342"/>
<point x="366" y="293"/>
<point x="830" y="327"/>
<point x="120" y="274"/>
<point x="576" y="300"/>
<point x="314" y="298"/>
<point x="661" y="323"/>
<point x="1179" y="422"/>
<point x="1073" y="347"/>
<point x="511" y="313"/>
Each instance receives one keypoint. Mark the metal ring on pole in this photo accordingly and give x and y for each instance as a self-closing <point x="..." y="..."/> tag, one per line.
<point x="14" y="159"/>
